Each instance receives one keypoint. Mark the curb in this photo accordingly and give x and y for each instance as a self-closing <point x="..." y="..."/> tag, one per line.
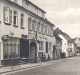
<point x="31" y="67"/>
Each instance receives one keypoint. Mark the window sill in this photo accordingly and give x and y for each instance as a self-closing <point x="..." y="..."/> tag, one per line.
<point x="15" y="25"/>
<point x="7" y="23"/>
<point x="22" y="27"/>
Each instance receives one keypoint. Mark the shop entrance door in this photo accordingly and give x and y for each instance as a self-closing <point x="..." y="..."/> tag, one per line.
<point x="33" y="52"/>
<point x="24" y="48"/>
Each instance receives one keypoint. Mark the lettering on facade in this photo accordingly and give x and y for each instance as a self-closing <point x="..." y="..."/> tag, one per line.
<point x="42" y="37"/>
<point x="32" y="35"/>
<point x="23" y="36"/>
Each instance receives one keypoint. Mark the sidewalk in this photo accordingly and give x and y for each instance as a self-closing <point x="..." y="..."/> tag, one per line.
<point x="27" y="66"/>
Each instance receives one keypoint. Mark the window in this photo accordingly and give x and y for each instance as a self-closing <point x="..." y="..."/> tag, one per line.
<point x="51" y="31"/>
<point x="50" y="46"/>
<point x="45" y="30"/>
<point x="48" y="30"/>
<point x="38" y="26"/>
<point x="22" y="20"/>
<point x="40" y="54"/>
<point x="46" y="47"/>
<point x="42" y="27"/>
<point x="33" y="25"/>
<point x="30" y="23"/>
<point x="40" y="45"/>
<point x="6" y="14"/>
<point x="15" y="18"/>
<point x="11" y="48"/>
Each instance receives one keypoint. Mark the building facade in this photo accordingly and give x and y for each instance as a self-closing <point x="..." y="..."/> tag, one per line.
<point x="24" y="32"/>
<point x="57" y="51"/>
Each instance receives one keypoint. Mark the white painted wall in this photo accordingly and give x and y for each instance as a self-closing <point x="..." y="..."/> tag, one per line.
<point x="64" y="45"/>
<point x="6" y="29"/>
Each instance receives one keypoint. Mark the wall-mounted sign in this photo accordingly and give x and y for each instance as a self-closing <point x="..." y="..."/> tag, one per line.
<point x="5" y="38"/>
<point x="11" y="33"/>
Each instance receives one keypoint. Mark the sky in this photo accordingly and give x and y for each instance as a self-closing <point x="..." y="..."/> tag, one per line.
<point x="64" y="14"/>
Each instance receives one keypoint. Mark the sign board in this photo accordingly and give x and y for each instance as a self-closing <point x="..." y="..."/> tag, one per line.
<point x="5" y="38"/>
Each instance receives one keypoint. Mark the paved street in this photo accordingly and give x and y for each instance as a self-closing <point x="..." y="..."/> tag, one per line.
<point x="70" y="66"/>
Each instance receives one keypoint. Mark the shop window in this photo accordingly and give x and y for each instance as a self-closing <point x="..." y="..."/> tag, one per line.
<point x="22" y="20"/>
<point x="40" y="45"/>
<point x="11" y="48"/>
<point x="30" y="23"/>
<point x="6" y="14"/>
<point x="15" y="18"/>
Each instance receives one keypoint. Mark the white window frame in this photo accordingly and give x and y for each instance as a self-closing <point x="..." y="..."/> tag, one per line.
<point x="22" y="20"/>
<point x="15" y="15"/>
<point x="6" y="11"/>
<point x="41" y="46"/>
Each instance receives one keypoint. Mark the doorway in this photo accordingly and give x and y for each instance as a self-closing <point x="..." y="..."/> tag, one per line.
<point x="24" y="48"/>
<point x="54" y="52"/>
<point x="33" y="52"/>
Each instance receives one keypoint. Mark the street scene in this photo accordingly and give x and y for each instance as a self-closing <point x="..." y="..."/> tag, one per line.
<point x="67" y="66"/>
<point x="39" y="37"/>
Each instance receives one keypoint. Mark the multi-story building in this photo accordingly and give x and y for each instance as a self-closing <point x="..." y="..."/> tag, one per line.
<point x="67" y="44"/>
<point x="57" y="51"/>
<point x="24" y="32"/>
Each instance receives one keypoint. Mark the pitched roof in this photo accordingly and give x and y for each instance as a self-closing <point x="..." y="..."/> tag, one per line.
<point x="65" y="35"/>
<point x="47" y="21"/>
<point x="56" y="33"/>
<point x="35" y="5"/>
